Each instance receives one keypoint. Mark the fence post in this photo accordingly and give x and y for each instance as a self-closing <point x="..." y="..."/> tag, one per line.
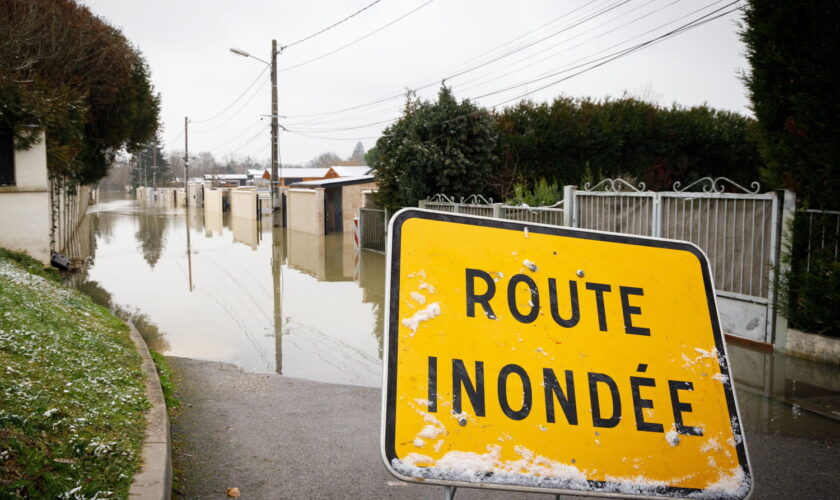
<point x="569" y="219"/>
<point x="656" y="227"/>
<point x="787" y="213"/>
<point x="421" y="204"/>
<point x="497" y="210"/>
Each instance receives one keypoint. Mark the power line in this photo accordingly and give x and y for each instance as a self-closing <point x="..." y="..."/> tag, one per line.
<point x="234" y="101"/>
<point x="284" y="47"/>
<point x="565" y="28"/>
<point x="512" y="71"/>
<point x="237" y="136"/>
<point x="358" y="39"/>
<point x="249" y="141"/>
<point x="311" y="136"/>
<point x="586" y="67"/>
<point x="236" y="113"/>
<point x="436" y="80"/>
<point x="176" y="137"/>
<point x="561" y="42"/>
<point x="621" y="53"/>
<point x="599" y="11"/>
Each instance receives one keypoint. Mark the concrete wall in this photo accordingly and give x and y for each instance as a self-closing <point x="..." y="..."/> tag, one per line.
<point x="243" y="203"/>
<point x="195" y="194"/>
<point x="213" y="200"/>
<point x="264" y="202"/>
<point x="352" y="199"/>
<point x="25" y="207"/>
<point x="813" y="347"/>
<point x="306" y="210"/>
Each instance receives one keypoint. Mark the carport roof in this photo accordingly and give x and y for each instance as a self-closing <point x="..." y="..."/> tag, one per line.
<point x="335" y="182"/>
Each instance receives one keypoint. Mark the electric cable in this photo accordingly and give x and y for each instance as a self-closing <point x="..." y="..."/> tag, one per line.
<point x="236" y="113"/>
<point x="588" y="66"/>
<point x="249" y="141"/>
<point x="565" y="28"/>
<point x="235" y="100"/>
<point x="284" y="47"/>
<point x="356" y="40"/>
<point x="436" y="80"/>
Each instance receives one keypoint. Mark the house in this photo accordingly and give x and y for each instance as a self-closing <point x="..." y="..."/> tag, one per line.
<point x="227" y="180"/>
<point x="327" y="205"/>
<point x="347" y="171"/>
<point x="24" y="198"/>
<point x="26" y="210"/>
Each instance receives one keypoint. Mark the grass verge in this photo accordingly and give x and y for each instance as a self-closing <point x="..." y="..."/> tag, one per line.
<point x="72" y="393"/>
<point x="166" y="383"/>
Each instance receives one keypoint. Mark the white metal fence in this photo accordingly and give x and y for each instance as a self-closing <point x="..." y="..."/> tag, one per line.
<point x="739" y="232"/>
<point x="821" y="229"/>
<point x="478" y="205"/>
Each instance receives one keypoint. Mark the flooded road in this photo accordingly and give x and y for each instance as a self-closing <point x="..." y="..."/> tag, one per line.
<point x="267" y="301"/>
<point x="271" y="300"/>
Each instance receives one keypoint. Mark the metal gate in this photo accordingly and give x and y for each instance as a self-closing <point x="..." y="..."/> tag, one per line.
<point x="739" y="232"/>
<point x="373" y="224"/>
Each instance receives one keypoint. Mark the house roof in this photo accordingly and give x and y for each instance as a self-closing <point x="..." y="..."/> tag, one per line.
<point x="256" y="172"/>
<point x="226" y="177"/>
<point x="335" y="182"/>
<point x="350" y="171"/>
<point x="300" y="173"/>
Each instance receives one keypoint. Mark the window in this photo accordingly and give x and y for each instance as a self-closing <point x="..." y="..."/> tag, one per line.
<point x="7" y="159"/>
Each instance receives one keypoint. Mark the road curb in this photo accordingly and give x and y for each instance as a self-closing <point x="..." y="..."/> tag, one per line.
<point x="154" y="479"/>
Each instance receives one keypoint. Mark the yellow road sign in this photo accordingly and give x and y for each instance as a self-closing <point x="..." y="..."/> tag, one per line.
<point x="533" y="357"/>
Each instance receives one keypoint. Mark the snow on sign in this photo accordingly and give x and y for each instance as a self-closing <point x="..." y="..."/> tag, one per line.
<point x="542" y="358"/>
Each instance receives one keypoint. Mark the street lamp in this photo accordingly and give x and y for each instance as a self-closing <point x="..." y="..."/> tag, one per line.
<point x="275" y="153"/>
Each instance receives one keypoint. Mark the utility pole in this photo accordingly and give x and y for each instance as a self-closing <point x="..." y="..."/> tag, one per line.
<point x="275" y="150"/>
<point x="186" y="156"/>
<point x="154" y="163"/>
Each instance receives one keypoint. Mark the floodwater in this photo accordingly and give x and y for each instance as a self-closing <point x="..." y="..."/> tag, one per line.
<point x="268" y="300"/>
<point x="271" y="300"/>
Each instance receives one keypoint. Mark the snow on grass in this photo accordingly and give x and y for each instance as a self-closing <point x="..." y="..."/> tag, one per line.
<point x="72" y="394"/>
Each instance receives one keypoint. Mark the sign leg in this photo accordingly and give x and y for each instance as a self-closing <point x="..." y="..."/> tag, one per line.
<point x="449" y="492"/>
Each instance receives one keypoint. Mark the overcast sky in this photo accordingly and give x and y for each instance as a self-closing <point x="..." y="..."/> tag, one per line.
<point x="491" y="45"/>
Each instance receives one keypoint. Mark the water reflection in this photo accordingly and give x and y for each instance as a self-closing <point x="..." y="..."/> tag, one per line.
<point x="784" y="395"/>
<point x="202" y="278"/>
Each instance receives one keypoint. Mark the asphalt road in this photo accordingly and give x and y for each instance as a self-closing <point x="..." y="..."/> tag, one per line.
<point x="275" y="437"/>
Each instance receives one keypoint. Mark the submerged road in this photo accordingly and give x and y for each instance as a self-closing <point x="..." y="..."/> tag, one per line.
<point x="278" y="437"/>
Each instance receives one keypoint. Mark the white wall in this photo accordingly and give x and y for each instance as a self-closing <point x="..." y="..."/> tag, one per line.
<point x="352" y="198"/>
<point x="213" y="200"/>
<point x="306" y="210"/>
<point x="243" y="203"/>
